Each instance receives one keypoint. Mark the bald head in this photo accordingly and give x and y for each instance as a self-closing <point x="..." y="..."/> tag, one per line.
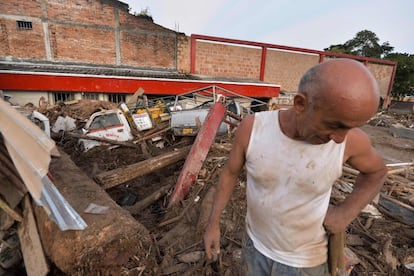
<point x="344" y="85"/>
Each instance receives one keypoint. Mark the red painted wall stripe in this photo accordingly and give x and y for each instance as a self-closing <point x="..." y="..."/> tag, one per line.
<point x="17" y="81"/>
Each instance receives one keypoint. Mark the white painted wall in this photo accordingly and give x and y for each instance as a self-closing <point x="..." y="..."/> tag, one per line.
<point x="23" y="98"/>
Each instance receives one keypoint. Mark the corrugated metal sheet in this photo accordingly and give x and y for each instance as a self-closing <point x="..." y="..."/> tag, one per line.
<point x="30" y="150"/>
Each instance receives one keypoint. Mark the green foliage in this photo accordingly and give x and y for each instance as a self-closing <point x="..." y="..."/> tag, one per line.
<point x="404" y="76"/>
<point x="365" y="43"/>
<point x="144" y="13"/>
<point x="338" y="48"/>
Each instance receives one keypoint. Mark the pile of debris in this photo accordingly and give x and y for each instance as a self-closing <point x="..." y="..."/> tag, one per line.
<point x="177" y="231"/>
<point x="131" y="206"/>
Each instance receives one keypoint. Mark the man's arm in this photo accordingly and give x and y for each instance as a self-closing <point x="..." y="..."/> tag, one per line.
<point x="360" y="154"/>
<point x="227" y="182"/>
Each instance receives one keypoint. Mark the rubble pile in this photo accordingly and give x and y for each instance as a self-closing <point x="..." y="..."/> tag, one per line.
<point x="80" y="110"/>
<point x="381" y="238"/>
<point x="387" y="119"/>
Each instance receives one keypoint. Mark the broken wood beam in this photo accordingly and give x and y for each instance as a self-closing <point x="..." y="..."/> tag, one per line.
<point x="9" y="211"/>
<point x="142" y="204"/>
<point x="110" y="240"/>
<point x="34" y="257"/>
<point x="121" y="175"/>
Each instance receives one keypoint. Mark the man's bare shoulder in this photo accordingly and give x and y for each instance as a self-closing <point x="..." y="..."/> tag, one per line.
<point x="359" y="152"/>
<point x="357" y="141"/>
<point x="357" y="135"/>
<point x="242" y="136"/>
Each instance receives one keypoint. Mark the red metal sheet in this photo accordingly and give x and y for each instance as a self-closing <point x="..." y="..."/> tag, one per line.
<point x="198" y="152"/>
<point x="103" y="84"/>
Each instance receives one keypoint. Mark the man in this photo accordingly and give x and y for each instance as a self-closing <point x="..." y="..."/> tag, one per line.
<point x="292" y="158"/>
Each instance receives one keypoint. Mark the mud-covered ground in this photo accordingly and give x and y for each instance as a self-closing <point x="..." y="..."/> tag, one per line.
<point x="383" y="244"/>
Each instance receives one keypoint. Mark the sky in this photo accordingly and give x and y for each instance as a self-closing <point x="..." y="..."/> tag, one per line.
<point x="312" y="24"/>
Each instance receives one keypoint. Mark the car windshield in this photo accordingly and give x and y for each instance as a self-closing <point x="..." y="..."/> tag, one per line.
<point x="104" y="121"/>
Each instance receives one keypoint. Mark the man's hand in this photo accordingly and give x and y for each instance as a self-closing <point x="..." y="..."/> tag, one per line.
<point x="212" y="241"/>
<point x="335" y="220"/>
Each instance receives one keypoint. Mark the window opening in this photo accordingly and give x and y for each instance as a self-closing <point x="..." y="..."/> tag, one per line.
<point x="116" y="98"/>
<point x="24" y="25"/>
<point x="90" y="96"/>
<point x="63" y="97"/>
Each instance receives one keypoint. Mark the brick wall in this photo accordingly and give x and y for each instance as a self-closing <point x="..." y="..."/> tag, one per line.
<point x="76" y="44"/>
<point x="146" y="44"/>
<point x="102" y="32"/>
<point x="383" y="75"/>
<point x="227" y="60"/>
<point x="286" y="68"/>
<point x="30" y="8"/>
<point x="146" y="49"/>
<point x="80" y="12"/>
<point x="183" y="53"/>
<point x="27" y="44"/>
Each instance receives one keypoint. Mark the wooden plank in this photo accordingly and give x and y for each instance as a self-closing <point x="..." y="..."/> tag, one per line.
<point x="31" y="246"/>
<point x="11" y="212"/>
<point x="121" y="175"/>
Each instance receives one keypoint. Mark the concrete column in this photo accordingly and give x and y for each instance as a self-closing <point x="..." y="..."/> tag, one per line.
<point x="48" y="49"/>
<point x="46" y="37"/>
<point x="50" y="98"/>
<point x="78" y="96"/>
<point x="117" y="38"/>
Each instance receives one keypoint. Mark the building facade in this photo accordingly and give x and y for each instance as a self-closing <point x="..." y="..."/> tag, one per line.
<point x="101" y="38"/>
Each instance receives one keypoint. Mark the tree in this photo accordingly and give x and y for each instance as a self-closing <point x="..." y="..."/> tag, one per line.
<point x="145" y="14"/>
<point x="404" y="76"/>
<point x="365" y="43"/>
<point x="338" y="48"/>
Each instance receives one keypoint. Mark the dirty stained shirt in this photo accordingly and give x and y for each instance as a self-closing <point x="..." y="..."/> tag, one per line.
<point x="289" y="184"/>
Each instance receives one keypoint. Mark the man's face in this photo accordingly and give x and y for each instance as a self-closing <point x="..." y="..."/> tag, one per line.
<point x="320" y="125"/>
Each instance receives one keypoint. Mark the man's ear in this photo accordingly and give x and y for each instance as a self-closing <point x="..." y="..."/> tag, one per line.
<point x="300" y="103"/>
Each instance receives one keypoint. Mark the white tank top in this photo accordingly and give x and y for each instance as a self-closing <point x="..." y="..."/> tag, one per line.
<point x="288" y="189"/>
